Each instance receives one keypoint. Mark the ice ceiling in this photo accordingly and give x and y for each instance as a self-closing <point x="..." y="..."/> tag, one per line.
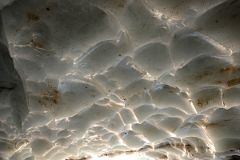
<point x="120" y="79"/>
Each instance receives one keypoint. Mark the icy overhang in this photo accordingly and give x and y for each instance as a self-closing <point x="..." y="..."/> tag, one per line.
<point x="122" y="79"/>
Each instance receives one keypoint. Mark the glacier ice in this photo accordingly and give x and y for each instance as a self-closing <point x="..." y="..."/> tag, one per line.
<point x="119" y="79"/>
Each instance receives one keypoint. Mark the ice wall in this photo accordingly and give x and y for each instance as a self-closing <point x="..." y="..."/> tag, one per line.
<point x="139" y="79"/>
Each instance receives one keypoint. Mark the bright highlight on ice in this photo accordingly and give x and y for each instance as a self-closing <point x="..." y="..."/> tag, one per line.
<point x="125" y="157"/>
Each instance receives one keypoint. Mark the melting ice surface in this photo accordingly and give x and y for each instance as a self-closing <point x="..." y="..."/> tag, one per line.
<point x="119" y="79"/>
<point x="125" y="157"/>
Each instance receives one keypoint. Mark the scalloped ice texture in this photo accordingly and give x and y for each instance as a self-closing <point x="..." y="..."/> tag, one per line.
<point x="119" y="79"/>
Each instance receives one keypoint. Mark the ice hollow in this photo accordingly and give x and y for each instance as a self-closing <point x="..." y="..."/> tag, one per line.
<point x="122" y="79"/>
